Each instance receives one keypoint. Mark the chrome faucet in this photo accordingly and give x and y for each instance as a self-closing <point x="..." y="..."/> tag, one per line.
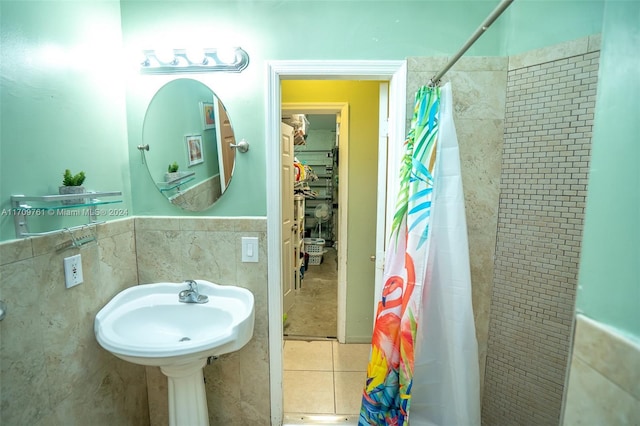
<point x="191" y="295"/>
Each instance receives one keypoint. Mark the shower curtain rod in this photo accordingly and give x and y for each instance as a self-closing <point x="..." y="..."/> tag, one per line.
<point x="435" y="80"/>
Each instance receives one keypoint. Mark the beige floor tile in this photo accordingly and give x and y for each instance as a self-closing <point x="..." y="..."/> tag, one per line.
<point x="350" y="357"/>
<point x="308" y="392"/>
<point x="348" y="391"/>
<point x="302" y="355"/>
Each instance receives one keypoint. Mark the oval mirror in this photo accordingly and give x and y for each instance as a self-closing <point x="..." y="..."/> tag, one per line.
<point x="189" y="134"/>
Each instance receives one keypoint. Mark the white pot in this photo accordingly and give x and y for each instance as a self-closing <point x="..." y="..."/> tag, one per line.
<point x="64" y="190"/>
<point x="168" y="177"/>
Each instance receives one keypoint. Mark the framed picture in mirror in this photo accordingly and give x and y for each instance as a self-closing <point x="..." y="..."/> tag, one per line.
<point x="208" y="115"/>
<point x="194" y="149"/>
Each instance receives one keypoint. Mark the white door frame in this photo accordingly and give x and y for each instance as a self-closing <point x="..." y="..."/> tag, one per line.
<point x="392" y="71"/>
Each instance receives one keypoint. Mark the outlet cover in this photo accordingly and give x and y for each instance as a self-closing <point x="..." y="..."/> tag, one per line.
<point x="73" y="271"/>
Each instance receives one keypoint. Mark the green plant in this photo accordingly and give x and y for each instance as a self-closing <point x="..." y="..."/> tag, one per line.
<point x="173" y="167"/>
<point x="72" y="180"/>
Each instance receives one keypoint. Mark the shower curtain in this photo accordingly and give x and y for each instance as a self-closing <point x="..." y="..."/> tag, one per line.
<point x="423" y="364"/>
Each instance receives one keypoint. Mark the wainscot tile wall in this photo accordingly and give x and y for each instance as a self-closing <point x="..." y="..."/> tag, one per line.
<point x="175" y="249"/>
<point x="53" y="372"/>
<point x="604" y="383"/>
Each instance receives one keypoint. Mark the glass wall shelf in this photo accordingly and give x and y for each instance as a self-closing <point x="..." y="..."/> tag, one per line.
<point x="24" y="207"/>
<point x="175" y="184"/>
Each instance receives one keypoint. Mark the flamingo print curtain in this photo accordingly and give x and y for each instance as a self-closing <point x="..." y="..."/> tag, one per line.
<point x="424" y="357"/>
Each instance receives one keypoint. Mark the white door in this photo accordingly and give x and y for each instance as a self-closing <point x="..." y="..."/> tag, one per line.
<point x="226" y="138"/>
<point x="288" y="223"/>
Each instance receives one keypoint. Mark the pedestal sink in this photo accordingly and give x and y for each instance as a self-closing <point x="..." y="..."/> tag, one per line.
<point x="147" y="325"/>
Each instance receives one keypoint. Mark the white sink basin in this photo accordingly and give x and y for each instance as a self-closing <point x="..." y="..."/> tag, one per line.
<point x="146" y="324"/>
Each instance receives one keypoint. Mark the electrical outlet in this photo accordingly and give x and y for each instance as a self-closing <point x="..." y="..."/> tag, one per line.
<point x="72" y="271"/>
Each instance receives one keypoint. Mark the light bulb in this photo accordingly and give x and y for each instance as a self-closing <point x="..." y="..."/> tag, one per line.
<point x="227" y="55"/>
<point x="196" y="56"/>
<point x="165" y="56"/>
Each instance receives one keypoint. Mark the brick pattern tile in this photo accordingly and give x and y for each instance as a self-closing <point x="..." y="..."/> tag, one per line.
<point x="547" y="142"/>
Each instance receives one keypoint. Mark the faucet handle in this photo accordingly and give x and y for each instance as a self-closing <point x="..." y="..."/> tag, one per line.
<point x="193" y="285"/>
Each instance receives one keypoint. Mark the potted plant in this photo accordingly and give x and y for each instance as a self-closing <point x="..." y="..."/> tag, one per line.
<point x="172" y="172"/>
<point x="72" y="184"/>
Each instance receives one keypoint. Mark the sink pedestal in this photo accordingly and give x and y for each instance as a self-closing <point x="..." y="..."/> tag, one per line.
<point x="187" y="397"/>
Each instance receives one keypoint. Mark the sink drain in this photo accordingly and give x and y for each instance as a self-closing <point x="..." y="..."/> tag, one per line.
<point x="184" y="339"/>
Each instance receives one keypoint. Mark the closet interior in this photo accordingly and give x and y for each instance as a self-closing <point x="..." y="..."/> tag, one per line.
<point x="316" y="181"/>
<point x="316" y="222"/>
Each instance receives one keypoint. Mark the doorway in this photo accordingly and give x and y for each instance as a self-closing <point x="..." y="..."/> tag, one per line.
<point x="313" y="314"/>
<point x="392" y="71"/>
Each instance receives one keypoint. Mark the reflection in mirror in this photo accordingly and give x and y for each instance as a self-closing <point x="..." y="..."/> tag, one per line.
<point x="189" y="134"/>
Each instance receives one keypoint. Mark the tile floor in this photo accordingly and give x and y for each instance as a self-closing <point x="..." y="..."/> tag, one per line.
<point x="324" y="377"/>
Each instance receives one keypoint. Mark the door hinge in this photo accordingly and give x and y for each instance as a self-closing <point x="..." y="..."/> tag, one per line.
<point x="384" y="128"/>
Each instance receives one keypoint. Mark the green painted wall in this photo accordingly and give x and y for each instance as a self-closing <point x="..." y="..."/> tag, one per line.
<point x="61" y="106"/>
<point x="532" y="24"/>
<point x="362" y="97"/>
<point x="275" y="31"/>
<point x="609" y="282"/>
<point x="82" y="120"/>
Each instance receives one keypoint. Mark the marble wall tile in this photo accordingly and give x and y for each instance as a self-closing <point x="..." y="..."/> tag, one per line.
<point x="478" y="94"/>
<point x="481" y="63"/>
<point x="22" y="371"/>
<point x="15" y="250"/>
<point x="254" y="382"/>
<point x="158" y="400"/>
<point x="117" y="263"/>
<point x="559" y="51"/>
<point x="115" y="227"/>
<point x="595" y="42"/>
<point x="614" y="356"/>
<point x="252" y="224"/>
<point x="166" y="223"/>
<point x="603" y="380"/>
<point x="224" y="392"/>
<point x="50" y="362"/>
<point x="107" y="401"/>
<point x="479" y="91"/>
<point x="176" y="256"/>
<point x="206" y="224"/>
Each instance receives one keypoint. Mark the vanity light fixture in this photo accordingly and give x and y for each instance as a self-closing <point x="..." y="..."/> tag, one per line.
<point x="183" y="60"/>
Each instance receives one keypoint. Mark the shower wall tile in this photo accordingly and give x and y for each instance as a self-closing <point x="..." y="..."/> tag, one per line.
<point x="175" y="249"/>
<point x="545" y="162"/>
<point x="557" y="52"/>
<point x="479" y="91"/>
<point x="598" y="355"/>
<point x="478" y="94"/>
<point x="605" y="350"/>
<point x="49" y="355"/>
